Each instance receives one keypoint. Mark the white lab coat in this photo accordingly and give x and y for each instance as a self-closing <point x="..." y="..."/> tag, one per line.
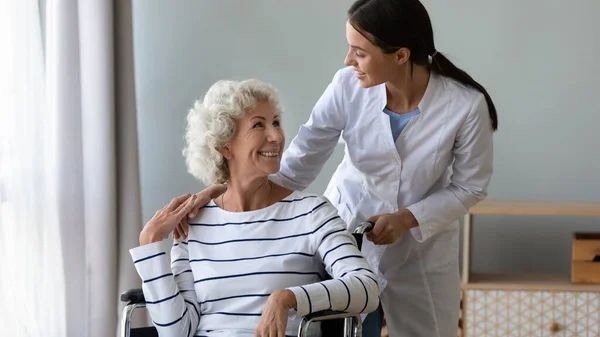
<point x="439" y="167"/>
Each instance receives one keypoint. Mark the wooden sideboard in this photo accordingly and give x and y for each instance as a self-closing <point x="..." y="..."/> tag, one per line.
<point x="526" y="305"/>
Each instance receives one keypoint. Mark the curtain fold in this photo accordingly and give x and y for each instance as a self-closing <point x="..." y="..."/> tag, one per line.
<point x="69" y="177"/>
<point x="129" y="200"/>
<point x="94" y="92"/>
<point x="32" y="288"/>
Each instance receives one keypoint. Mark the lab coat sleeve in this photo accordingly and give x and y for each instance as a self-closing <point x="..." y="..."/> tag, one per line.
<point x="472" y="171"/>
<point x="168" y="288"/>
<point x="354" y="287"/>
<point x="315" y="141"/>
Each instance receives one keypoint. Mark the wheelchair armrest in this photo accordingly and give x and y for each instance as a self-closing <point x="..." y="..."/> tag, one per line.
<point x="326" y="315"/>
<point x="333" y="323"/>
<point x="133" y="296"/>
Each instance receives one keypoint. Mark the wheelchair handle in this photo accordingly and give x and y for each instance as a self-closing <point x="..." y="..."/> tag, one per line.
<point x="364" y="227"/>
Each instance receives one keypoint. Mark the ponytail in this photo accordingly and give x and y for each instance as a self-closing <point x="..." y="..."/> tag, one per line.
<point x="395" y="24"/>
<point x="441" y="65"/>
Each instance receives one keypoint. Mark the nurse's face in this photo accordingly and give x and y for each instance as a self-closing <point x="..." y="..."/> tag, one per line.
<point x="372" y="66"/>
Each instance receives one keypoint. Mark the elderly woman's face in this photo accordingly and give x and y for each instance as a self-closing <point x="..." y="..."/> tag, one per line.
<point x="258" y="143"/>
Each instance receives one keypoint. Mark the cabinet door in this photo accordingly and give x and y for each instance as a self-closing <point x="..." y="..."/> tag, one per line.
<point x="513" y="313"/>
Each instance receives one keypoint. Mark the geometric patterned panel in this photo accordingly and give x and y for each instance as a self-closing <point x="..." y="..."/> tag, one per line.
<point x="514" y="313"/>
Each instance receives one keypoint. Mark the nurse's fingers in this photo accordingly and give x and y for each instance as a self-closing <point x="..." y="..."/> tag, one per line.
<point x="378" y="224"/>
<point x="375" y="237"/>
<point x="204" y="197"/>
<point x="370" y="233"/>
<point x="374" y="218"/>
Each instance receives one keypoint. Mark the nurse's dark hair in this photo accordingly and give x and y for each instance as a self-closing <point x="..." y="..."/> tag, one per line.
<point x="395" y="24"/>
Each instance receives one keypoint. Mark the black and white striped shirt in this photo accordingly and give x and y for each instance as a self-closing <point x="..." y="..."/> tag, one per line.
<point x="219" y="279"/>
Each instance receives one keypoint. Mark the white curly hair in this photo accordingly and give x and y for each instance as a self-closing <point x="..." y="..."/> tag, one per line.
<point x="211" y="124"/>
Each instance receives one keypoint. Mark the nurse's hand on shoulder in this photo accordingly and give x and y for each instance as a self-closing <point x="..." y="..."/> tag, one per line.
<point x="202" y="198"/>
<point x="389" y="227"/>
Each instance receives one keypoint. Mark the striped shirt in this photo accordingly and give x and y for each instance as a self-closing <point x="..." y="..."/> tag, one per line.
<point x="219" y="279"/>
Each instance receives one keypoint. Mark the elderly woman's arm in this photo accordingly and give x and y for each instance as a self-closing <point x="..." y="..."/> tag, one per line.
<point x="353" y="287"/>
<point x="168" y="288"/>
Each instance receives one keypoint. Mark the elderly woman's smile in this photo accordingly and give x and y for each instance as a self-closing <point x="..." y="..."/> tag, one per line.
<point x="269" y="154"/>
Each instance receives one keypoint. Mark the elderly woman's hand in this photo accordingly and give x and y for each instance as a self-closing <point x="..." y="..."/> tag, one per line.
<point x="202" y="198"/>
<point x="275" y="314"/>
<point x="166" y="219"/>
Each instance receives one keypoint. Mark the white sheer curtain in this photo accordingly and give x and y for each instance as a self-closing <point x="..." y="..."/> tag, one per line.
<point x="32" y="291"/>
<point x="69" y="181"/>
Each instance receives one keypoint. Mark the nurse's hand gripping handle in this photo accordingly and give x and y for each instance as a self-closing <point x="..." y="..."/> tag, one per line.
<point x="359" y="231"/>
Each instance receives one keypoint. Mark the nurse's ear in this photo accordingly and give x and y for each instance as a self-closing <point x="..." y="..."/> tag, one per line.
<point x="401" y="56"/>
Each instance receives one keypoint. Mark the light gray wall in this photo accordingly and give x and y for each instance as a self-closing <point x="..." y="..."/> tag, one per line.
<point x="184" y="46"/>
<point x="539" y="65"/>
<point x="539" y="60"/>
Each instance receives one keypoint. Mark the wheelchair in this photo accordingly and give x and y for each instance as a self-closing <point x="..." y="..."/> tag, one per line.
<point x="333" y="323"/>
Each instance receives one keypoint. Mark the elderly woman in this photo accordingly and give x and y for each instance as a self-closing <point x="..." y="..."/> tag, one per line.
<point x="256" y="258"/>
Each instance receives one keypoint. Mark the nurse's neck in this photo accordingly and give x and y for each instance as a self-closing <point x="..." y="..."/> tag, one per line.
<point x="404" y="92"/>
